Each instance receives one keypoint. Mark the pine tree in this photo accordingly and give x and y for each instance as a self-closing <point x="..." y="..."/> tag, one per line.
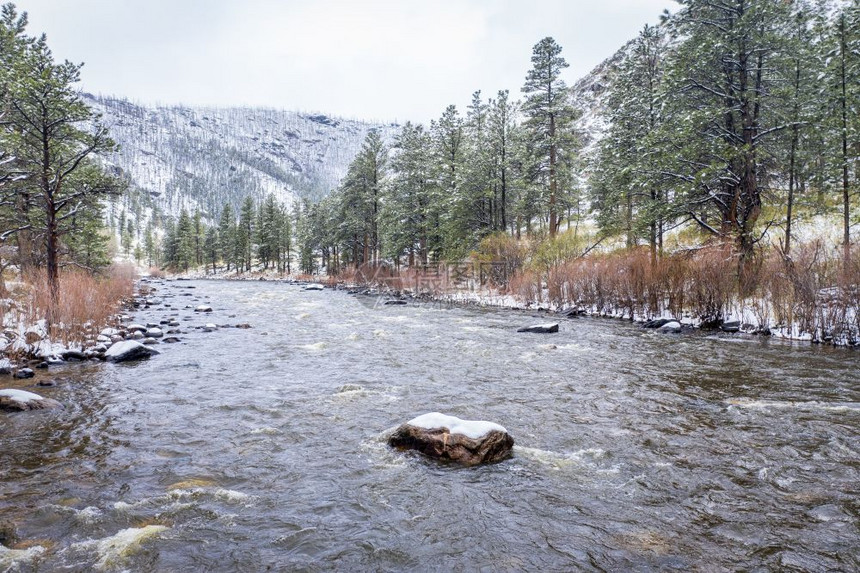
<point x="724" y="112"/>
<point x="842" y="96"/>
<point x="185" y="255"/>
<point x="409" y="197"/>
<point x="199" y="236"/>
<point x="245" y="234"/>
<point x="226" y="235"/>
<point x="627" y="192"/>
<point x="54" y="137"/>
<point x="501" y="137"/>
<point x="149" y="246"/>
<point x="549" y="125"/>
<point x="210" y="247"/>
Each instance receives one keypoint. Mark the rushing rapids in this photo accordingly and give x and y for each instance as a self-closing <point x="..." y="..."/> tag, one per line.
<point x="248" y="448"/>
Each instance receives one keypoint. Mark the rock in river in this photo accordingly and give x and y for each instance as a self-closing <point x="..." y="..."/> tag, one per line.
<point x="672" y="327"/>
<point x="540" y="328"/>
<point x="452" y="439"/>
<point x="128" y="350"/>
<point x="20" y="400"/>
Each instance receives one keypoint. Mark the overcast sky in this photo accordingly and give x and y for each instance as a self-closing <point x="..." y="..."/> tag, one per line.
<point x="366" y="59"/>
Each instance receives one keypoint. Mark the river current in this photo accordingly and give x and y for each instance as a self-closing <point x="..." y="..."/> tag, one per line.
<point x="264" y="448"/>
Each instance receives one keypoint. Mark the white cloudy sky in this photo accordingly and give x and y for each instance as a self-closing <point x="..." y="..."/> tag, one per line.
<point x="369" y="59"/>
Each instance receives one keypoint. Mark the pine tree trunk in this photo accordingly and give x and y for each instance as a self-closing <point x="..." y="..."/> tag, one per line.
<point x="553" y="184"/>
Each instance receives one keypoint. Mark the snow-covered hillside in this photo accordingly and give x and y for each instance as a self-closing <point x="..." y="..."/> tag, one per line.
<point x="178" y="156"/>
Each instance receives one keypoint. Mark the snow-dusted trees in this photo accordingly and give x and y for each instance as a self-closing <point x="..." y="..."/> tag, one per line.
<point x="627" y="191"/>
<point x="49" y="137"/>
<point x="549" y="129"/>
<point x="842" y="96"/>
<point x="412" y="189"/>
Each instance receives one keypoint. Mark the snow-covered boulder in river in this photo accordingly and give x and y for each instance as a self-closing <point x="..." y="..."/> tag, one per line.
<point x="673" y="327"/>
<point x="451" y="439"/>
<point x="20" y="400"/>
<point x="128" y="350"/>
<point x="540" y="328"/>
<point x="203" y="308"/>
<point x="314" y="286"/>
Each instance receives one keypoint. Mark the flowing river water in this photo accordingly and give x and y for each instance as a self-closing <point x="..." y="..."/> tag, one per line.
<point x="264" y="448"/>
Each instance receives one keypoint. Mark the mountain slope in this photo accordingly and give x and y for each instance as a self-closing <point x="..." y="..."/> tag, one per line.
<point x="202" y="158"/>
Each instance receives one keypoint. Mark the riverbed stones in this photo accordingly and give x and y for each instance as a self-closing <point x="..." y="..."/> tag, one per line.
<point x="128" y="350"/>
<point x="451" y="439"/>
<point x="547" y="328"/>
<point x="13" y="400"/>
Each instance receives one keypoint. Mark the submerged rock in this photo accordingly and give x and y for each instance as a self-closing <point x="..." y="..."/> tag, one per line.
<point x="396" y="302"/>
<point x="19" y="400"/>
<point x="547" y="328"/>
<point x="451" y="439"/>
<point x="128" y="350"/>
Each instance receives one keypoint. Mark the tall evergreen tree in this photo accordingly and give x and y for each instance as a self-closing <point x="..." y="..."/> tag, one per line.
<point x="226" y="235"/>
<point x="549" y="125"/>
<point x="54" y="137"/>
<point x="725" y="104"/>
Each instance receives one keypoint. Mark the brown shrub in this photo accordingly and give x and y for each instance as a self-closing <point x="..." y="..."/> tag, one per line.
<point x="87" y="301"/>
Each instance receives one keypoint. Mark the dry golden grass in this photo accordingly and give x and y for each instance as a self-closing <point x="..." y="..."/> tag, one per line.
<point x="87" y="301"/>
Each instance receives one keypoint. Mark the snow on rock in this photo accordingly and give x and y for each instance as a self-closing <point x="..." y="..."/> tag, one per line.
<point x="203" y="308"/>
<point x="128" y="350"/>
<point x="470" y="428"/>
<point x="314" y="286"/>
<point x="449" y="438"/>
<point x="13" y="400"/>
<point x="547" y="328"/>
<point x="672" y="326"/>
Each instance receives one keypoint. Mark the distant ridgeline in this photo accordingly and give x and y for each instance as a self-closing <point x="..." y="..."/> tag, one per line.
<point x="204" y="158"/>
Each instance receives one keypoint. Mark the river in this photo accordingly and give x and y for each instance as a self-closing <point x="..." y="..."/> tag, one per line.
<point x="264" y="448"/>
